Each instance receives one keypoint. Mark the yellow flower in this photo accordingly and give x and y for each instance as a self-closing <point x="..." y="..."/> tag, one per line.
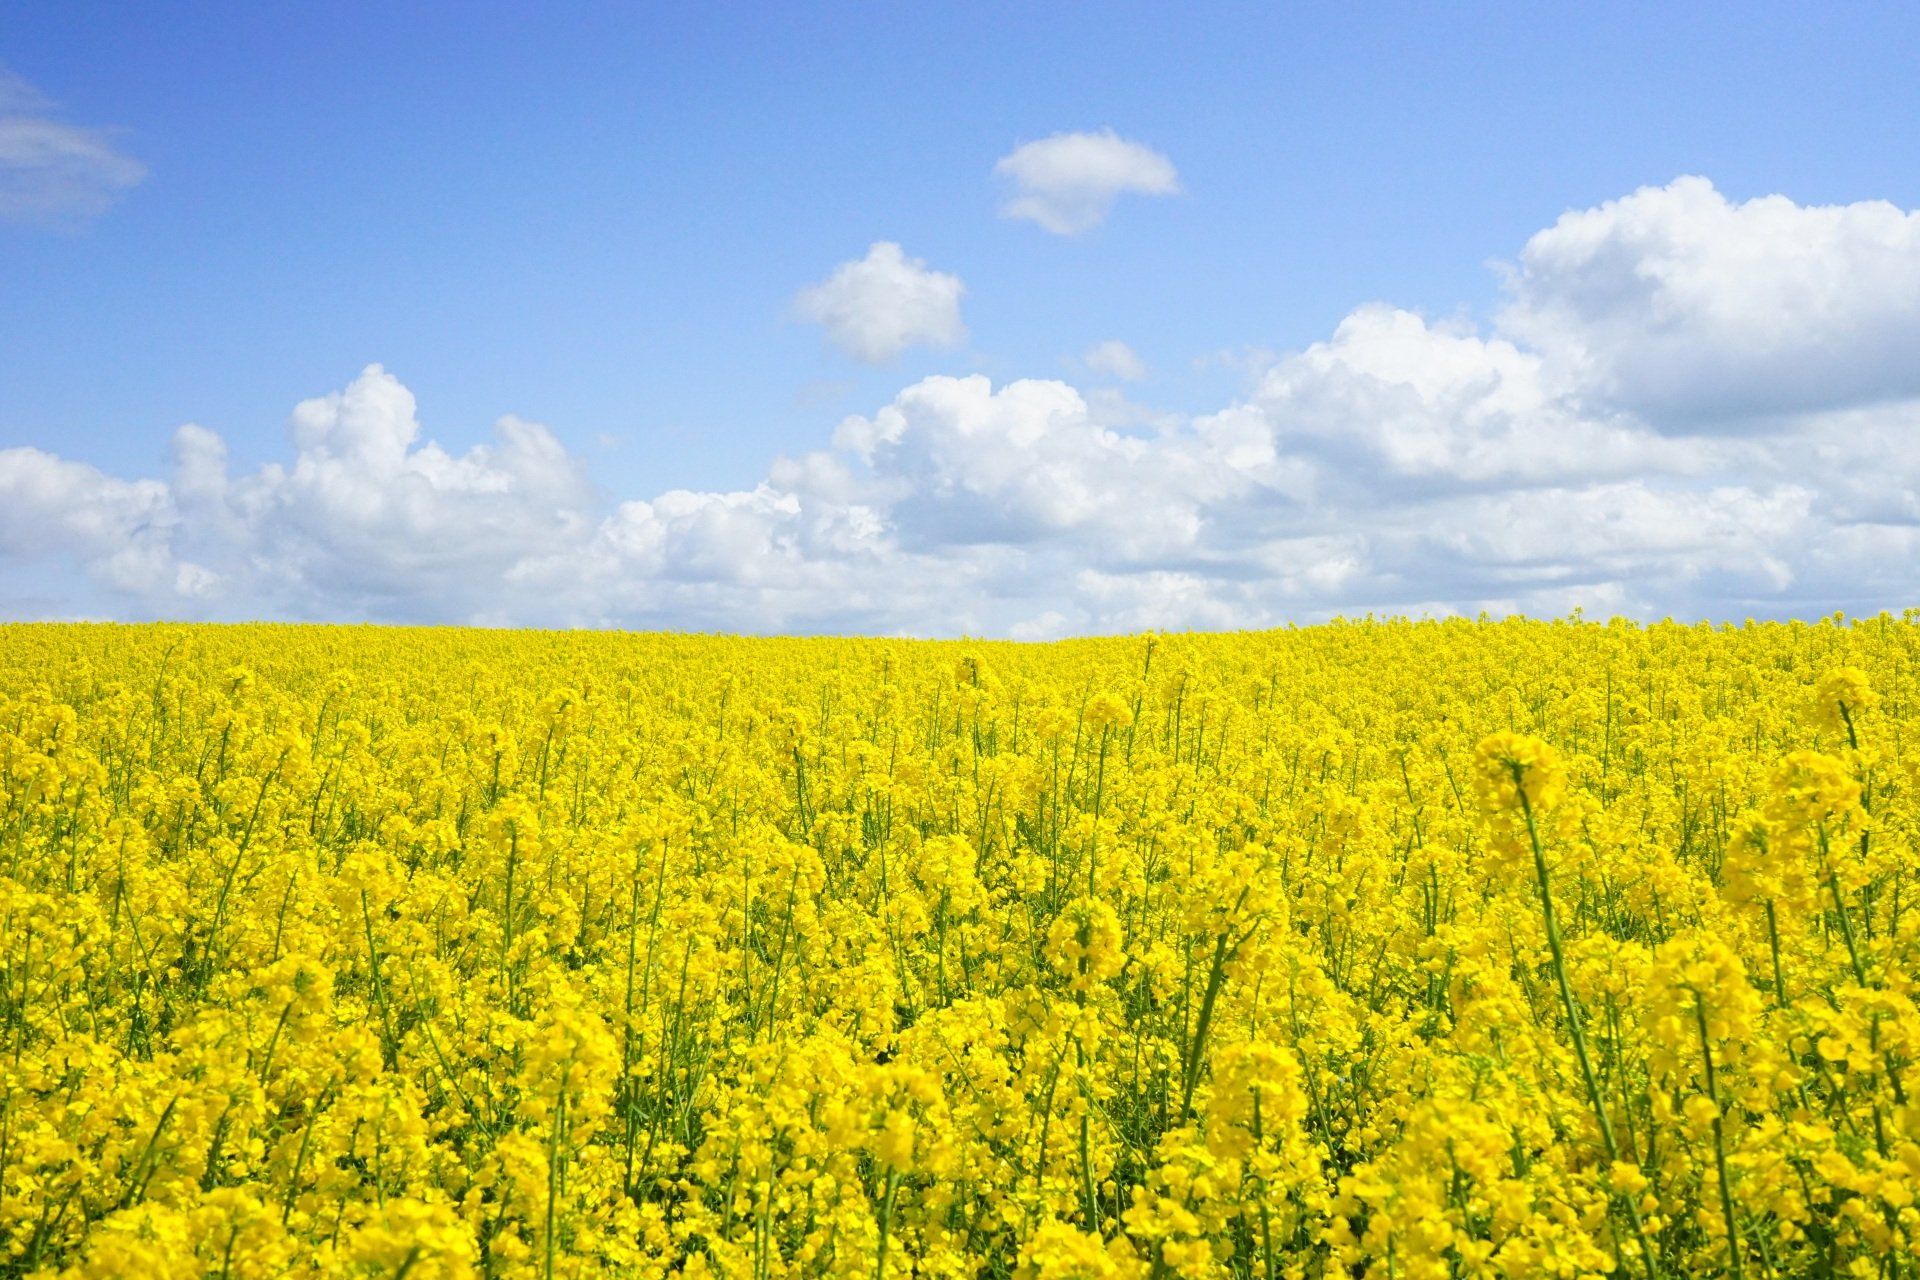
<point x="1841" y="699"/>
<point x="1512" y="768"/>
<point x="365" y="953"/>
<point x="1084" y="942"/>
<point x="1107" y="711"/>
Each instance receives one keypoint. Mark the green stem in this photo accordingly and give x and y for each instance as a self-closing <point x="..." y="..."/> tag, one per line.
<point x="1719" y="1139"/>
<point x="1572" y="1010"/>
<point x="886" y="1226"/>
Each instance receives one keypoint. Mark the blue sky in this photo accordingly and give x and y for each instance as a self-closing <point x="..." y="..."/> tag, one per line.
<point x="600" y="219"/>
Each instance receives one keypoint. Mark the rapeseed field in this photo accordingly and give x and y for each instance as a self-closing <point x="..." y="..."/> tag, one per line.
<point x="1379" y="948"/>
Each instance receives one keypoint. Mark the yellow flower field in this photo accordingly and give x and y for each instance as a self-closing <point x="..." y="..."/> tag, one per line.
<point x="1385" y="949"/>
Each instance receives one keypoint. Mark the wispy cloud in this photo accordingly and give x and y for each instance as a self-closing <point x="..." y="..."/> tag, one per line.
<point x="53" y="172"/>
<point x="1115" y="359"/>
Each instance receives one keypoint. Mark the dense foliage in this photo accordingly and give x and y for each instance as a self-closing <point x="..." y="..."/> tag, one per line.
<point x="1393" y="949"/>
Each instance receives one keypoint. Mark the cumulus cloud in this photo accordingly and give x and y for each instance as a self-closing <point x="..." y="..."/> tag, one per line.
<point x="1400" y="465"/>
<point x="1684" y="306"/>
<point x="958" y="463"/>
<point x="121" y="531"/>
<point x="878" y="306"/>
<point x="1068" y="182"/>
<point x="1115" y="359"/>
<point x="52" y="171"/>
<point x="1411" y="404"/>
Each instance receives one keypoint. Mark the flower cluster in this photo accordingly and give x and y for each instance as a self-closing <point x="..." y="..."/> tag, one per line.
<point x="1381" y="949"/>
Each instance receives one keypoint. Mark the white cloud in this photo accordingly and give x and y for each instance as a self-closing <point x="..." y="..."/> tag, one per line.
<point x="1628" y="530"/>
<point x="1115" y="359"/>
<point x="122" y="532"/>
<point x="1068" y="182"/>
<point x="1683" y="306"/>
<point x="960" y="464"/>
<point x="52" y="171"/>
<point x="877" y="306"/>
<point x="1399" y="465"/>
<point x="1395" y="399"/>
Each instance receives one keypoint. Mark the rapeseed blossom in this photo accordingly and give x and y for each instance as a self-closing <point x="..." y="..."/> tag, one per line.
<point x="1498" y="949"/>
